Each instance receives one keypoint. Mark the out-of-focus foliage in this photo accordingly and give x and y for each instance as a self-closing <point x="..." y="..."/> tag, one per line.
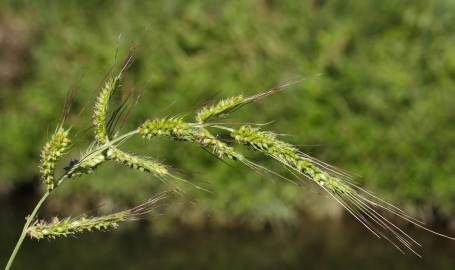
<point x="378" y="100"/>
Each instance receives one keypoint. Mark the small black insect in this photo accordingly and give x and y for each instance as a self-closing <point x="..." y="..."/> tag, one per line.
<point x="72" y="163"/>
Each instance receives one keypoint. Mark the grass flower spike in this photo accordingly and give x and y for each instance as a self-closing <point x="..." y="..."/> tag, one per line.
<point x="177" y="129"/>
<point x="221" y="108"/>
<point x="101" y="107"/>
<point x="363" y="205"/>
<point x="72" y="226"/>
<point x="138" y="163"/>
<point x="100" y="111"/>
<point x="228" y="105"/>
<point x="51" y="153"/>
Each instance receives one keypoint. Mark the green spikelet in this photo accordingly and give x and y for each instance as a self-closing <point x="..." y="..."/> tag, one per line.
<point x="138" y="163"/>
<point x="177" y="129"/>
<point x="101" y="109"/>
<point x="285" y="153"/>
<point x="228" y="105"/>
<point x="267" y="143"/>
<point x="167" y="127"/>
<point x="220" y="109"/>
<point x="358" y="202"/>
<point x="50" y="154"/>
<point x="71" y="226"/>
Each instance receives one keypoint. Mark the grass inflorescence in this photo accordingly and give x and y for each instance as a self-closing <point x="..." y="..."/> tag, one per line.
<point x="100" y="110"/>
<point x="363" y="205"/>
<point x="68" y="226"/>
<point x="224" y="107"/>
<point x="221" y="108"/>
<point x="51" y="153"/>
<point x="138" y="163"/>
<point x="177" y="129"/>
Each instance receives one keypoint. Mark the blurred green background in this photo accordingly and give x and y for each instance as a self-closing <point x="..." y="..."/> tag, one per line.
<point x="378" y="101"/>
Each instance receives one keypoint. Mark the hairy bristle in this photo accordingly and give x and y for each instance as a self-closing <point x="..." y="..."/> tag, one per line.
<point x="51" y="153"/>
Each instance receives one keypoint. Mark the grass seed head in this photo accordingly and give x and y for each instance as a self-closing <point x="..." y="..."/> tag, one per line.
<point x="101" y="108"/>
<point x="138" y="163"/>
<point x="100" y="111"/>
<point x="266" y="142"/>
<point x="219" y="109"/>
<point x="177" y="129"/>
<point x="228" y="105"/>
<point x="361" y="204"/>
<point x="51" y="153"/>
<point x="72" y="226"/>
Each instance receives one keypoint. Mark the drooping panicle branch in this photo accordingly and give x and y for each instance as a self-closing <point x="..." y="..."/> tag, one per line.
<point x="361" y="204"/>
<point x="51" y="153"/>
<point x="71" y="226"/>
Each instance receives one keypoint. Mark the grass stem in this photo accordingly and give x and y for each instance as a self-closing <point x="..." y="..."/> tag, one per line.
<point x="24" y="230"/>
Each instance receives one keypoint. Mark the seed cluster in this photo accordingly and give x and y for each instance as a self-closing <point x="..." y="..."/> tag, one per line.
<point x="177" y="129"/>
<point x="219" y="109"/>
<point x="287" y="154"/>
<point x="101" y="107"/>
<point x="137" y="163"/>
<point x="70" y="226"/>
<point x="51" y="152"/>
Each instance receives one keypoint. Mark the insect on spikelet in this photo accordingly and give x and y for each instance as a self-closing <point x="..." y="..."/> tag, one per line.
<point x="72" y="226"/>
<point x="87" y="165"/>
<point x="51" y="153"/>
<point x="89" y="161"/>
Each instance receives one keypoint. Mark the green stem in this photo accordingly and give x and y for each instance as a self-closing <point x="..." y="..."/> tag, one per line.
<point x="24" y="231"/>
